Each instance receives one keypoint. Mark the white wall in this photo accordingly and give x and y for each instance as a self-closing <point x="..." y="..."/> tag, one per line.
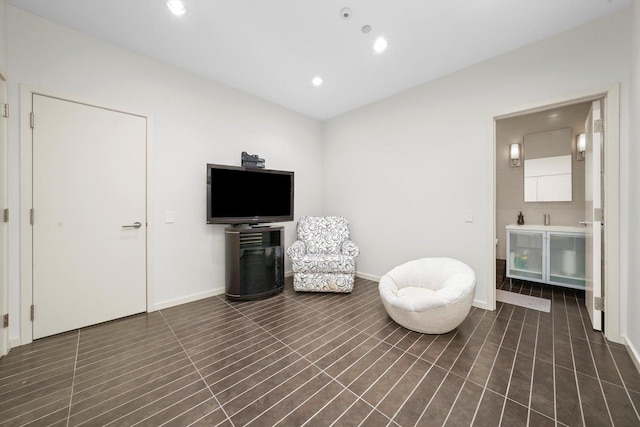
<point x="195" y="121"/>
<point x="404" y="170"/>
<point x="632" y="291"/>
<point x="3" y="36"/>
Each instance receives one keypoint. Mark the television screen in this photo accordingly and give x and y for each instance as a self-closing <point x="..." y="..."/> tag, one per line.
<point x="239" y="195"/>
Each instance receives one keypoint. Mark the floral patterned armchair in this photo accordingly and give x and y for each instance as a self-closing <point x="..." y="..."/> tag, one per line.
<point x="323" y="257"/>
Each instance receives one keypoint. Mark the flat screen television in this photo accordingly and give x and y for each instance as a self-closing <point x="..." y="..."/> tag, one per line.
<point x="240" y="195"/>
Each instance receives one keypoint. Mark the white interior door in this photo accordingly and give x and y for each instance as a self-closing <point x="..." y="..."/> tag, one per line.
<point x="89" y="189"/>
<point x="4" y="226"/>
<point x="593" y="214"/>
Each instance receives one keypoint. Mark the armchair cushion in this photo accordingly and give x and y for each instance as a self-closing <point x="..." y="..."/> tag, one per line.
<point x="324" y="263"/>
<point x="323" y="235"/>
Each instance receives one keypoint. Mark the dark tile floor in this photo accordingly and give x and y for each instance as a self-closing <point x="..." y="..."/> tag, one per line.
<point x="324" y="359"/>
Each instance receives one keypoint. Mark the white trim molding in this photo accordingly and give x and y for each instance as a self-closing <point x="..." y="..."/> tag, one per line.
<point x="26" y="176"/>
<point x="190" y="298"/>
<point x="611" y="96"/>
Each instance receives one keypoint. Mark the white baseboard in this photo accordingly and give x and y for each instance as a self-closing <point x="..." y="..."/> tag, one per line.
<point x="367" y="276"/>
<point x="13" y="343"/>
<point x="482" y="304"/>
<point x="190" y="298"/>
<point x="633" y="353"/>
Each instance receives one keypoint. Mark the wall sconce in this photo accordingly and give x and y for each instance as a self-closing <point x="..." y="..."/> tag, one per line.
<point x="514" y="155"/>
<point x="581" y="146"/>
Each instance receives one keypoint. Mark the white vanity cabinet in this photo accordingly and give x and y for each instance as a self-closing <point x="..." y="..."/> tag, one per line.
<point x="547" y="254"/>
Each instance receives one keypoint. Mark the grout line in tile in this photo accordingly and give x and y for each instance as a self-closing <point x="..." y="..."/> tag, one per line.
<point x="129" y="372"/>
<point x="117" y="361"/>
<point x="513" y="364"/>
<point x="202" y="338"/>
<point x="231" y="355"/>
<point x="421" y="379"/>
<point x="53" y="364"/>
<point x="624" y="385"/>
<point x="573" y="361"/>
<point x="465" y="379"/>
<point x="554" y="307"/>
<point x="317" y="367"/>
<point x="255" y="385"/>
<point x="449" y="370"/>
<point x="433" y="397"/>
<point x="379" y="341"/>
<point x="132" y="380"/>
<point x="34" y="409"/>
<point x="287" y="395"/>
<point x="118" y="395"/>
<point x="595" y="368"/>
<point x="167" y="407"/>
<point x="565" y="296"/>
<point x="260" y="397"/>
<point x="195" y="367"/>
<point x="484" y="387"/>
<point x="37" y="390"/>
<point x="391" y="347"/>
<point x="257" y="372"/>
<point x="16" y="388"/>
<point x="74" y="378"/>
<point x="344" y="389"/>
<point x="198" y="421"/>
<point x="533" y="366"/>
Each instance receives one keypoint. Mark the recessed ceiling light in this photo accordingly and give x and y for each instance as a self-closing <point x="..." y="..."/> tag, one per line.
<point x="317" y="81"/>
<point x="380" y="45"/>
<point x="176" y="7"/>
<point x="366" y="29"/>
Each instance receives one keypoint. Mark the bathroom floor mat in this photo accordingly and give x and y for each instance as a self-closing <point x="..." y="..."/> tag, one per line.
<point x="525" y="301"/>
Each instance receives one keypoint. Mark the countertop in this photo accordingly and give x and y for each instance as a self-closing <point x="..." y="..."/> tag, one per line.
<point x="540" y="227"/>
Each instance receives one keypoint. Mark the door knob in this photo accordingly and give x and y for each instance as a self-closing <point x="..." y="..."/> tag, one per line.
<point x="134" y="225"/>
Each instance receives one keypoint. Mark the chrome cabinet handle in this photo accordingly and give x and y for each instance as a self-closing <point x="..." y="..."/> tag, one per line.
<point x="134" y="225"/>
<point x="585" y="223"/>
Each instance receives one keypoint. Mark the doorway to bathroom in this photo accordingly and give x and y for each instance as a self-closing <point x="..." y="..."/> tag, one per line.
<point x="529" y="259"/>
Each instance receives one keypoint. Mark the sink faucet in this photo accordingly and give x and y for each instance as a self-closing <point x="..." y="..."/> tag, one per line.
<point x="547" y="219"/>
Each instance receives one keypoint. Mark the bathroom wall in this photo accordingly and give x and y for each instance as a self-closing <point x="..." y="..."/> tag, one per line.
<point x="510" y="180"/>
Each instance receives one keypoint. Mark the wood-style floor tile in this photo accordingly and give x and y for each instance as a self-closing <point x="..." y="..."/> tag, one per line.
<point x="320" y="359"/>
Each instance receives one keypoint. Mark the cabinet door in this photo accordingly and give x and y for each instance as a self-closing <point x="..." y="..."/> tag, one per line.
<point x="566" y="261"/>
<point x="525" y="251"/>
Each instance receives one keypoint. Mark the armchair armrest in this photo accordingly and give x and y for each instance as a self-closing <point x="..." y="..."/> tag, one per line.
<point x="297" y="249"/>
<point x="350" y="248"/>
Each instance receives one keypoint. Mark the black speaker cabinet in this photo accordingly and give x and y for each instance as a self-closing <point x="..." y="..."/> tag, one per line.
<point x="254" y="262"/>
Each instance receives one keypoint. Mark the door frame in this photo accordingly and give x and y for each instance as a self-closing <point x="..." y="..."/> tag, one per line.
<point x="26" y="194"/>
<point x="611" y="185"/>
<point x="4" y="234"/>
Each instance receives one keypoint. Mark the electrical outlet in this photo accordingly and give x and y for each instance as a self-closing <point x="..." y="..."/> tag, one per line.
<point x="168" y="217"/>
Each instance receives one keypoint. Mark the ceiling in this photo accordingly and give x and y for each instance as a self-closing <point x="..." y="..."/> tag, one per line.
<point x="274" y="48"/>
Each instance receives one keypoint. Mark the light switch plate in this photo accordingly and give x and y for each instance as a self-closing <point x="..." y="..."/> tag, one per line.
<point x="468" y="216"/>
<point x="168" y="217"/>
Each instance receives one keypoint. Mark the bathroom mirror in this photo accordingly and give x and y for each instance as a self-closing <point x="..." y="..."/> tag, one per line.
<point x="547" y="166"/>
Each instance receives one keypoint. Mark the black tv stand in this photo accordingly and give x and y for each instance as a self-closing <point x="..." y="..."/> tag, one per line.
<point x="254" y="262"/>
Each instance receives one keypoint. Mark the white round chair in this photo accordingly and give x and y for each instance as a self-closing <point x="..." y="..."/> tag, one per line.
<point x="429" y="295"/>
